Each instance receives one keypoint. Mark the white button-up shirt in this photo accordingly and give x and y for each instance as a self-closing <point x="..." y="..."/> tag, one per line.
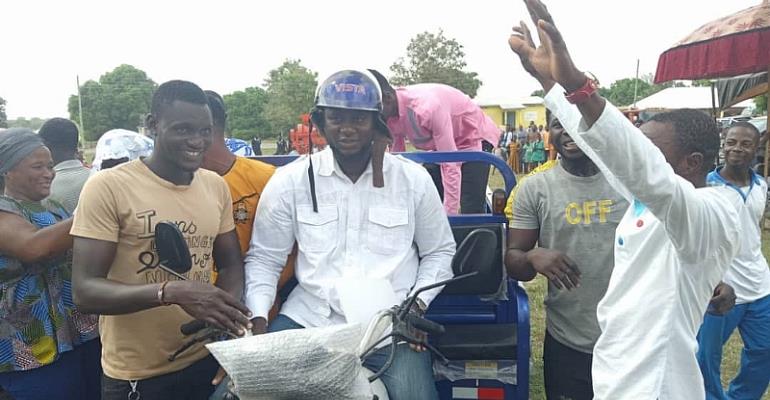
<point x="672" y="248"/>
<point x="399" y="233"/>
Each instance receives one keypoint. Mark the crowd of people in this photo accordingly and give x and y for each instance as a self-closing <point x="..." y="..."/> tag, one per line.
<point x="103" y="261"/>
<point x="525" y="150"/>
<point x="653" y="257"/>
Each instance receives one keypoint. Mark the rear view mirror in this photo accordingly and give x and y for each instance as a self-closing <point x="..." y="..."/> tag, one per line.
<point x="478" y="248"/>
<point x="172" y="249"/>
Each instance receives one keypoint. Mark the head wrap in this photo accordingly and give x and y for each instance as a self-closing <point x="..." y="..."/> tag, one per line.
<point x="15" y="145"/>
<point x="121" y="143"/>
<point x="239" y="147"/>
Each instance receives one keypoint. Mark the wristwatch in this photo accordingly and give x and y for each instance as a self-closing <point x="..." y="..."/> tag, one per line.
<point x="585" y="92"/>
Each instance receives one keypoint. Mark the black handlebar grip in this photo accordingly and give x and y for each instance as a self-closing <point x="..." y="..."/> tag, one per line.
<point x="425" y="325"/>
<point x="192" y="327"/>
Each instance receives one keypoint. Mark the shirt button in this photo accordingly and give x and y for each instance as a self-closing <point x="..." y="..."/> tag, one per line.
<point x="620" y="241"/>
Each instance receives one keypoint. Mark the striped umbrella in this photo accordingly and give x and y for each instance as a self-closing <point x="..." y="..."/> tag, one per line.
<point x="734" y="45"/>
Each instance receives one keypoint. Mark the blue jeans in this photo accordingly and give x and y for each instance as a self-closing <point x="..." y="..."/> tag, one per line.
<point x="409" y="377"/>
<point x="76" y="375"/>
<point x="753" y="322"/>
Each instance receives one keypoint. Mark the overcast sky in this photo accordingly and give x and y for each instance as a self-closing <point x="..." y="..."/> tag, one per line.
<point x="229" y="45"/>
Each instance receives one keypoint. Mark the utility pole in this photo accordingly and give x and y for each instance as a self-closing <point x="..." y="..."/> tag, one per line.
<point x="80" y="107"/>
<point x="636" y="81"/>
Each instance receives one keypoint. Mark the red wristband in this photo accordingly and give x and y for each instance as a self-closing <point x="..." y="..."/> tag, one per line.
<point x="584" y="92"/>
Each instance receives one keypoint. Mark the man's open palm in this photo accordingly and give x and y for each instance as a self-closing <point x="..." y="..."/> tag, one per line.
<point x="550" y="61"/>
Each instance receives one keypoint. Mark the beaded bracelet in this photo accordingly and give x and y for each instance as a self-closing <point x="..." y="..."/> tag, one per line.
<point x="161" y="293"/>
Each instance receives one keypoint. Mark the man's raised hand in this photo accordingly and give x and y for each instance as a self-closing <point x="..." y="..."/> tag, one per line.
<point x="550" y="61"/>
<point x="521" y="42"/>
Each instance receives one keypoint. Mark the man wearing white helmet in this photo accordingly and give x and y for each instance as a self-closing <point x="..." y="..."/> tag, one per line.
<point x="354" y="212"/>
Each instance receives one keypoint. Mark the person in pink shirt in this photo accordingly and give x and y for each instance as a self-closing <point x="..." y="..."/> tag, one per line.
<point x="441" y="118"/>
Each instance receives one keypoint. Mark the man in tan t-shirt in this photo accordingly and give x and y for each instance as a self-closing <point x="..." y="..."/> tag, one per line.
<point x="116" y="270"/>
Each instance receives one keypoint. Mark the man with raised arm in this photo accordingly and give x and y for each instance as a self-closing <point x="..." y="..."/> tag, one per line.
<point x="674" y="243"/>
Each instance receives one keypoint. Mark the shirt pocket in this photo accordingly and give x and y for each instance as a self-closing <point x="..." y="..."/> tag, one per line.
<point x="388" y="230"/>
<point x="317" y="230"/>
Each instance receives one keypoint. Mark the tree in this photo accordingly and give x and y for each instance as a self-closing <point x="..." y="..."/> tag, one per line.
<point x="761" y="103"/>
<point x="246" y="113"/>
<point x="702" y="82"/>
<point x="621" y="92"/>
<point x="95" y="120"/>
<point x="3" y="117"/>
<point x="34" y="123"/>
<point x="604" y="92"/>
<point x="434" y="58"/>
<point x="120" y="99"/>
<point x="290" y="93"/>
<point x="538" y="93"/>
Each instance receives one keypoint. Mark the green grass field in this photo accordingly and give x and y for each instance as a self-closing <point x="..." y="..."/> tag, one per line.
<point x="536" y="291"/>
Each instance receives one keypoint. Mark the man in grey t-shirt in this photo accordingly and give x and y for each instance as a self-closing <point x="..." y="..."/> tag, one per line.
<point x="569" y="209"/>
<point x="61" y="137"/>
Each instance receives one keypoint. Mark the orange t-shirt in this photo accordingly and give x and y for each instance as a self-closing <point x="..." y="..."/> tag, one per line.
<point x="246" y="180"/>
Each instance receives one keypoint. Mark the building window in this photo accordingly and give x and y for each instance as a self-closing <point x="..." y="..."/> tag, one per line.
<point x="510" y="118"/>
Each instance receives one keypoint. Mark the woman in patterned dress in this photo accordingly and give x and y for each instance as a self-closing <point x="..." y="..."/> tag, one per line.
<point x="48" y="350"/>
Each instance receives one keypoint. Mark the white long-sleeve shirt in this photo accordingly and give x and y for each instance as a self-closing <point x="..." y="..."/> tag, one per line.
<point x="748" y="274"/>
<point x="398" y="232"/>
<point x="672" y="248"/>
